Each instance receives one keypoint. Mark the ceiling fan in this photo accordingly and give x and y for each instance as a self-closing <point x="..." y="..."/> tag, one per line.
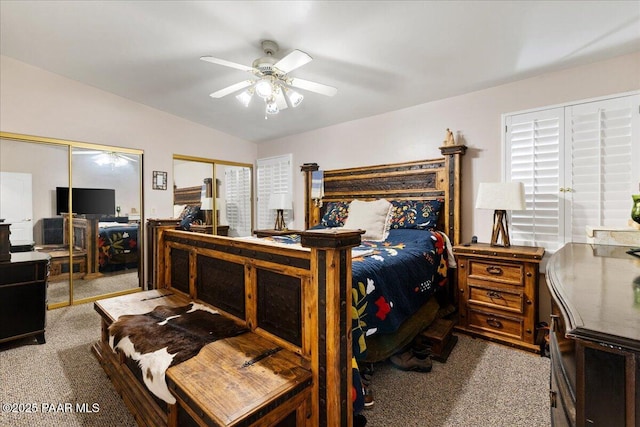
<point x="271" y="80"/>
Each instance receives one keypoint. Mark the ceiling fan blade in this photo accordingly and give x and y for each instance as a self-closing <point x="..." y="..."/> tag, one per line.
<point x="230" y="89"/>
<point x="313" y="87"/>
<point x="227" y="63"/>
<point x="281" y="102"/>
<point x="294" y="60"/>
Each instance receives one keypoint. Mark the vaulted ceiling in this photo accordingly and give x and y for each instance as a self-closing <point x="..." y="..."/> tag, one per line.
<point x="380" y="55"/>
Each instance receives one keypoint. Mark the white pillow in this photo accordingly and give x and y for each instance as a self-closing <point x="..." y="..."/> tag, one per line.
<point x="177" y="210"/>
<point x="369" y="216"/>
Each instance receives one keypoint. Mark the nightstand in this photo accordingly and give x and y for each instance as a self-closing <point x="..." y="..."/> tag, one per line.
<point x="201" y="228"/>
<point x="498" y="293"/>
<point x="222" y="230"/>
<point x="272" y="232"/>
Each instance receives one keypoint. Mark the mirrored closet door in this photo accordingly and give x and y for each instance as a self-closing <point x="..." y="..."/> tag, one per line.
<point x="220" y="193"/>
<point x="96" y="249"/>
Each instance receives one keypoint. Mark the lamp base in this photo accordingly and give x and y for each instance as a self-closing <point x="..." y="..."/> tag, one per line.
<point x="280" y="225"/>
<point x="500" y="227"/>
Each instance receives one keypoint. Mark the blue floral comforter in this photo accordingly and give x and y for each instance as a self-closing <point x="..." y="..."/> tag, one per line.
<point x="118" y="247"/>
<point x="392" y="280"/>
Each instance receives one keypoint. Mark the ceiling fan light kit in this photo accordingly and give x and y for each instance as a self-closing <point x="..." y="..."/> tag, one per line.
<point x="264" y="88"/>
<point x="245" y="97"/>
<point x="272" y="82"/>
<point x="295" y="98"/>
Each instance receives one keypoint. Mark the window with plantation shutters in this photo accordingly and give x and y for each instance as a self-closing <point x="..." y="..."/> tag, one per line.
<point x="238" y="200"/>
<point x="274" y="175"/>
<point x="534" y="157"/>
<point x="602" y="176"/>
<point x="577" y="164"/>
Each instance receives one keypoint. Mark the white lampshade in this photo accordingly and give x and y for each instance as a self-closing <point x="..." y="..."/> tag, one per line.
<point x="501" y="196"/>
<point x="206" y="203"/>
<point x="295" y="98"/>
<point x="264" y="88"/>
<point x="245" y="98"/>
<point x="272" y="107"/>
<point x="280" y="201"/>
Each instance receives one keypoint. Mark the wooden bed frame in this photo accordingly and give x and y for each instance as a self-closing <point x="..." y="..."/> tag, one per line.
<point x="191" y="196"/>
<point x="417" y="180"/>
<point x="299" y="298"/>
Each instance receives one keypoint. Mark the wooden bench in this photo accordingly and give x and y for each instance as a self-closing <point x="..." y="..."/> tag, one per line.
<point x="293" y="366"/>
<point x="239" y="381"/>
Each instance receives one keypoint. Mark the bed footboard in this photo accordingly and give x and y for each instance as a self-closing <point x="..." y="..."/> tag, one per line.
<point x="296" y="299"/>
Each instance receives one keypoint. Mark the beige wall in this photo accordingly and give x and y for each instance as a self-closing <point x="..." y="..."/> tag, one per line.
<point x="417" y="132"/>
<point x="36" y="102"/>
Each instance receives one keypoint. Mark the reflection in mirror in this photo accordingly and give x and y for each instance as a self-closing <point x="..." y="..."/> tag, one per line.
<point x="29" y="175"/>
<point x="192" y="193"/>
<point x="223" y="204"/>
<point x="97" y="184"/>
<point x="233" y="200"/>
<point x="106" y="207"/>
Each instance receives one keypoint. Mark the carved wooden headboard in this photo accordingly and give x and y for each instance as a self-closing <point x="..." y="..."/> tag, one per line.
<point x="418" y="180"/>
<point x="189" y="195"/>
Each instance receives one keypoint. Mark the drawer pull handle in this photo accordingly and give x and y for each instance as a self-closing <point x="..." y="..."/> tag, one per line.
<point x="494" y="294"/>
<point x="494" y="323"/>
<point x="494" y="270"/>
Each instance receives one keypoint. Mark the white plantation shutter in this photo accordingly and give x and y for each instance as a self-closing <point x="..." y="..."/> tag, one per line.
<point x="579" y="163"/>
<point x="238" y="200"/>
<point x="274" y="175"/>
<point x="602" y="177"/>
<point x="534" y="158"/>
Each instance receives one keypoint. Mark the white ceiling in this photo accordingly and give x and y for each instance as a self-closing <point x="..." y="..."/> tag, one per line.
<point x="381" y="55"/>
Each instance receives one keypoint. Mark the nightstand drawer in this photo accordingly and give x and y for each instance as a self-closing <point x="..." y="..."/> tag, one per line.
<point x="512" y="274"/>
<point x="498" y="298"/>
<point x="510" y="327"/>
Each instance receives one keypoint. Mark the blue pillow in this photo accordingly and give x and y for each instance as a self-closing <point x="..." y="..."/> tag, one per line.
<point x="415" y="213"/>
<point x="191" y="214"/>
<point x="335" y="214"/>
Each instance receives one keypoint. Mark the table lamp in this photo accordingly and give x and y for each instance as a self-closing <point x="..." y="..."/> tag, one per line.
<point x="206" y="205"/>
<point x="501" y="197"/>
<point x="279" y="202"/>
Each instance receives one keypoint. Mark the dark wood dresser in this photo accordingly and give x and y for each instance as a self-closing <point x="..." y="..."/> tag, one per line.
<point x="23" y="296"/>
<point x="595" y="336"/>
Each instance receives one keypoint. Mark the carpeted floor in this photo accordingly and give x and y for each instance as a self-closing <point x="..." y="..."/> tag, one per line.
<point x="482" y="383"/>
<point x="111" y="282"/>
<point x="61" y="372"/>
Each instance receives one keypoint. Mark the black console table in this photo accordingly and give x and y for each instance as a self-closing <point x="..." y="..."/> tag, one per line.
<point x="595" y="339"/>
<point x="23" y="296"/>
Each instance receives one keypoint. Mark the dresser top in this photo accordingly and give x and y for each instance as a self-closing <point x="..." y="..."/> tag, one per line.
<point x="24" y="257"/>
<point x="598" y="289"/>
<point x="530" y="253"/>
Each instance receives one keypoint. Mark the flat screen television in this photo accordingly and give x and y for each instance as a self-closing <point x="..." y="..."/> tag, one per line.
<point x="95" y="201"/>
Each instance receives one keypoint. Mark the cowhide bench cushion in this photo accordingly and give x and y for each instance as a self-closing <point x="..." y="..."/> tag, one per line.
<point x="167" y="336"/>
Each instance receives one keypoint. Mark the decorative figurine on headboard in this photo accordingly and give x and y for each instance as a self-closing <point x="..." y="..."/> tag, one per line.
<point x="449" y="140"/>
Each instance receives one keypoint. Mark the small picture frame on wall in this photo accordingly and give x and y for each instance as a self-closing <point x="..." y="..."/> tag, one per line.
<point x="159" y="180"/>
